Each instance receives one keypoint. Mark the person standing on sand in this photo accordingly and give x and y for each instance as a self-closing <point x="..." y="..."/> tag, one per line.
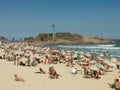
<point x="117" y="84"/>
<point x="70" y="60"/>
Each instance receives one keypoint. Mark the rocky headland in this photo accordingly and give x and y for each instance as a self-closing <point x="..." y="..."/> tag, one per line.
<point x="67" y="38"/>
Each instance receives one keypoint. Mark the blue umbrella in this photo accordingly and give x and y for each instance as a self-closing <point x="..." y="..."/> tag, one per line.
<point x="100" y="66"/>
<point x="81" y="63"/>
<point x="94" y="68"/>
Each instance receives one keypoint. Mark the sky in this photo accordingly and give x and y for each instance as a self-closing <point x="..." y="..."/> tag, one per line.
<point x="25" y="18"/>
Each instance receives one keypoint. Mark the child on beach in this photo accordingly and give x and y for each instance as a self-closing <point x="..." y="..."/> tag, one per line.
<point x="117" y="84"/>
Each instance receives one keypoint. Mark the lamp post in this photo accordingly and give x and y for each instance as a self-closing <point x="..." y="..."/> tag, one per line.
<point x="53" y="26"/>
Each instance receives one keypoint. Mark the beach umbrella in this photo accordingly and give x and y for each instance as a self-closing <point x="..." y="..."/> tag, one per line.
<point x="27" y="54"/>
<point x="78" y="54"/>
<point x="36" y="55"/>
<point x="86" y="59"/>
<point x="94" y="68"/>
<point x="23" y="59"/>
<point x="42" y="57"/>
<point x="54" y="56"/>
<point x="100" y="66"/>
<point x="75" y="61"/>
<point x="112" y="65"/>
<point x="47" y="55"/>
<point x="18" y="52"/>
<point x="68" y="51"/>
<point x="88" y="54"/>
<point x="81" y="56"/>
<point x="75" y="55"/>
<point x="82" y="63"/>
<point x="55" y="51"/>
<point x="101" y="55"/>
<point x="106" y="61"/>
<point x="92" y="61"/>
<point x="100" y="59"/>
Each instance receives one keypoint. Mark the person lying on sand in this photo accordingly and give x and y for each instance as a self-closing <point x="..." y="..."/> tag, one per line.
<point x="17" y="78"/>
<point x="75" y="71"/>
<point x="53" y="74"/>
<point x="42" y="71"/>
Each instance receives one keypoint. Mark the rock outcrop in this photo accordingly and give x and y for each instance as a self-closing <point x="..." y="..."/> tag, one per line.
<point x="69" y="38"/>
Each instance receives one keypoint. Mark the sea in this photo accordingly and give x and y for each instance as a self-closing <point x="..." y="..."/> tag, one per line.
<point x="112" y="49"/>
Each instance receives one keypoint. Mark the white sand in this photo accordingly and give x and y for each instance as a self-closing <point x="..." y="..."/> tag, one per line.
<point x="36" y="81"/>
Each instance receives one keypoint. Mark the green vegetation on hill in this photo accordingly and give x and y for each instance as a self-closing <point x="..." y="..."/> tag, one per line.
<point x="68" y="36"/>
<point x="43" y="37"/>
<point x="65" y="38"/>
<point x="2" y="38"/>
<point x="57" y="36"/>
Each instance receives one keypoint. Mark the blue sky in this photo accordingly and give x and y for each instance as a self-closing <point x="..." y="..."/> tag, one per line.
<point x="24" y="18"/>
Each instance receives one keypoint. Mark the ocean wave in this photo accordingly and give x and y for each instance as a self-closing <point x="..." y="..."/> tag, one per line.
<point x="98" y="50"/>
<point x="90" y="46"/>
<point x="107" y="45"/>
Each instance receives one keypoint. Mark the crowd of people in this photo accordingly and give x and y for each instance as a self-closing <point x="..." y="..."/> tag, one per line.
<point x="93" y="66"/>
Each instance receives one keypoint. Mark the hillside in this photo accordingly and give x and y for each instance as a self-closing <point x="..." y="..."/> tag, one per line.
<point x="67" y="38"/>
<point x="2" y="38"/>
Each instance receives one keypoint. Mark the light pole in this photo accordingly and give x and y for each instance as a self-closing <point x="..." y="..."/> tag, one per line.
<point x="53" y="26"/>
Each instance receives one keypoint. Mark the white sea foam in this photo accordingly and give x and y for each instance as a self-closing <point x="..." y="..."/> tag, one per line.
<point x="97" y="49"/>
<point x="106" y="45"/>
<point x="90" y="46"/>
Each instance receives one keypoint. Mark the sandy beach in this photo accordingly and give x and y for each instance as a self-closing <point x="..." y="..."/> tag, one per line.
<point x="60" y="44"/>
<point x="36" y="81"/>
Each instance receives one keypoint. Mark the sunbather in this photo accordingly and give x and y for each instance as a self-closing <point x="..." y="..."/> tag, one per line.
<point x="42" y="71"/>
<point x="53" y="73"/>
<point x="17" y="78"/>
